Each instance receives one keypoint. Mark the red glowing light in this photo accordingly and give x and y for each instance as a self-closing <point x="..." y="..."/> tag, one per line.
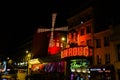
<point x="53" y="50"/>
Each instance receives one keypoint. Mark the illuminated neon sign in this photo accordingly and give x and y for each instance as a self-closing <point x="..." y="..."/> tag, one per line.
<point x="78" y="64"/>
<point x="75" y="65"/>
<point x="76" y="51"/>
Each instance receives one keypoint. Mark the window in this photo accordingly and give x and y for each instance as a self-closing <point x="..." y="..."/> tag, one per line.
<point x="88" y="29"/>
<point x="98" y="60"/>
<point x="98" y="43"/>
<point x="69" y="37"/>
<point x="107" y="58"/>
<point x="118" y="52"/>
<point x="89" y="42"/>
<point x="82" y="31"/>
<point x="74" y="37"/>
<point x="106" y="41"/>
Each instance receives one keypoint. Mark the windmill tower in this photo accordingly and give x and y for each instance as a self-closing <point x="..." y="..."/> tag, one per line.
<point x="51" y="42"/>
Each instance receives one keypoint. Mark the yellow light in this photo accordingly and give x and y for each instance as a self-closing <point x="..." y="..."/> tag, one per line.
<point x="79" y="70"/>
<point x="63" y="38"/>
<point x="72" y="70"/>
<point x="34" y="61"/>
<point x="29" y="55"/>
<point x="27" y="51"/>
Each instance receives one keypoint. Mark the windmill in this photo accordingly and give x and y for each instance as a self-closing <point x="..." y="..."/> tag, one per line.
<point x="51" y="42"/>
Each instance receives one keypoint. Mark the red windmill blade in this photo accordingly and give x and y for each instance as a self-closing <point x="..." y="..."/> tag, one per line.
<point x="51" y="42"/>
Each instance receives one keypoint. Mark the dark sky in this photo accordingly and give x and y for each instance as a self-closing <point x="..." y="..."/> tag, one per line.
<point x="19" y="20"/>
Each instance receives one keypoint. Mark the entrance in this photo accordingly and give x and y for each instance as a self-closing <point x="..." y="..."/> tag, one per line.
<point x="79" y="76"/>
<point x="79" y="69"/>
<point x="78" y="61"/>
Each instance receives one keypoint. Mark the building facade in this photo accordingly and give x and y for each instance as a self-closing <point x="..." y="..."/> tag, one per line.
<point x="105" y="46"/>
<point x="103" y="62"/>
<point x="115" y="40"/>
<point x="107" y="52"/>
<point x="87" y="54"/>
<point x="78" y="53"/>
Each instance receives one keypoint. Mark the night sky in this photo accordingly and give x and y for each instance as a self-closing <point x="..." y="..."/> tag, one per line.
<point x="19" y="20"/>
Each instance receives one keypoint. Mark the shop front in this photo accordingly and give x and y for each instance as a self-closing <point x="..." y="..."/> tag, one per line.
<point x="48" y="70"/>
<point x="103" y="72"/>
<point x="78" y="60"/>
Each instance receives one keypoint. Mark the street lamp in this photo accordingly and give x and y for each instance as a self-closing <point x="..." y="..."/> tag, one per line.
<point x="63" y="39"/>
<point x="28" y="61"/>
